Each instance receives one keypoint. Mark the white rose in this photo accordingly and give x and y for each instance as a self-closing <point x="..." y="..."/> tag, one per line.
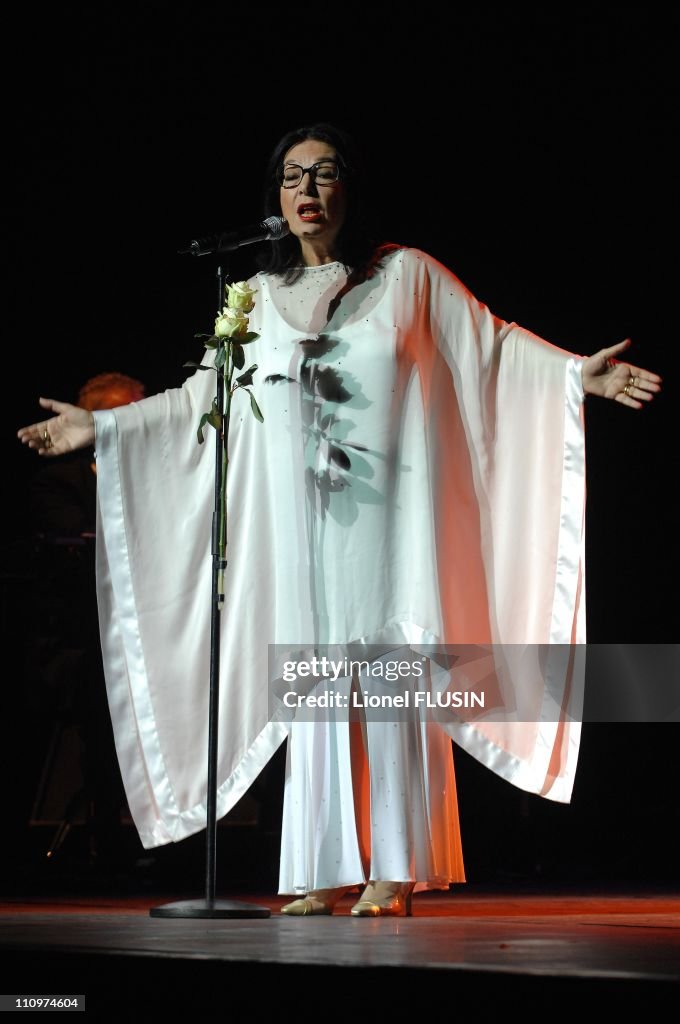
<point x="231" y="323"/>
<point x="240" y="296"/>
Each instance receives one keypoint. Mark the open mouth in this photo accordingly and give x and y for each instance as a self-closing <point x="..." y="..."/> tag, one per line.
<point x="309" y="211"/>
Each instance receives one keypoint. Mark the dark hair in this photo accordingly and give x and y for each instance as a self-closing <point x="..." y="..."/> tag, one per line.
<point x="355" y="247"/>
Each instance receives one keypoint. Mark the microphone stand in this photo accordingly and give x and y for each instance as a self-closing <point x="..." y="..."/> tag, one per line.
<point x="210" y="907"/>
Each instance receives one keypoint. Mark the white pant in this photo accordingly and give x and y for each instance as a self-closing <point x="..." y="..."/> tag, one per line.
<point x="381" y="809"/>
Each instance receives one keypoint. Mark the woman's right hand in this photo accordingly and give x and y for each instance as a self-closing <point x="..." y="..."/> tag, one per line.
<point x="72" y="427"/>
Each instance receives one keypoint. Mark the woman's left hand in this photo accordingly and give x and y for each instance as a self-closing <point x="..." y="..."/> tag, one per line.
<point x="604" y="376"/>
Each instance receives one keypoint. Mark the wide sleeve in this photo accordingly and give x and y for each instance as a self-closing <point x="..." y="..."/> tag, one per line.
<point x="504" y="410"/>
<point x="154" y="586"/>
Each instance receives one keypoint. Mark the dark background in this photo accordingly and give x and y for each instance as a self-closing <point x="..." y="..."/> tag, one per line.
<point x="531" y="153"/>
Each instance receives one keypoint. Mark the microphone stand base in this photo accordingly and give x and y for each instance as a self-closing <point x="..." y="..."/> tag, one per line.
<point x="210" y="908"/>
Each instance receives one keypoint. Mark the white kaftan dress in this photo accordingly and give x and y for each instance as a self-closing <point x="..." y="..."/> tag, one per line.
<point x="419" y="478"/>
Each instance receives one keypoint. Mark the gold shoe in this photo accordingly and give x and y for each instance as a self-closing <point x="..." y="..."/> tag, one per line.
<point x="381" y="899"/>
<point x="317" y="901"/>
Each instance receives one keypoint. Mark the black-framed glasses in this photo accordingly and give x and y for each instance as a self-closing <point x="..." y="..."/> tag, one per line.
<point x="324" y="172"/>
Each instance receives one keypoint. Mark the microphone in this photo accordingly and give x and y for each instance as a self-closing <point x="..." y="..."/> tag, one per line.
<point x="267" y="230"/>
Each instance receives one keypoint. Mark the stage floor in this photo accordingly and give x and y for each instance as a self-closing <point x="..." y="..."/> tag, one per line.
<point x="473" y="942"/>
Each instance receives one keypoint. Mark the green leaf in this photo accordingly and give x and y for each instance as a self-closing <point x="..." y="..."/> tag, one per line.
<point x="221" y="357"/>
<point x="215" y="416"/>
<point x="238" y="355"/>
<point x="211" y="341"/>
<point x="247" y="377"/>
<point x="201" y="425"/>
<point x="245" y="338"/>
<point x="212" y="418"/>
<point x="197" y="366"/>
<point x="255" y="407"/>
